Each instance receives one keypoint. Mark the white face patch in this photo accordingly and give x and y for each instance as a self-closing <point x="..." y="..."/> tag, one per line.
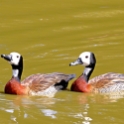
<point x="85" y="57"/>
<point x="15" y="58"/>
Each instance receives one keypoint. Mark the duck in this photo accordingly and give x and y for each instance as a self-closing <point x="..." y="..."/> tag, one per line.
<point x="104" y="83"/>
<point x="36" y="84"/>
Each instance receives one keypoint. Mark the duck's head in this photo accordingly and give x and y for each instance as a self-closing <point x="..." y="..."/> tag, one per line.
<point x="16" y="61"/>
<point x="86" y="59"/>
<point x="13" y="58"/>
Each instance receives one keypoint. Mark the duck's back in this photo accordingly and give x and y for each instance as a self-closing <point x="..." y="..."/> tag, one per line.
<point x="108" y="82"/>
<point x="47" y="83"/>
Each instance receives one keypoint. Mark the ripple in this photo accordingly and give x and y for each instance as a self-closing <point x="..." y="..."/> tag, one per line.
<point x="99" y="14"/>
<point x="10" y="110"/>
<point x="49" y="112"/>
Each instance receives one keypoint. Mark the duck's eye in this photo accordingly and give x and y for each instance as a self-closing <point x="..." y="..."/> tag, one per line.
<point x="17" y="56"/>
<point x="86" y="56"/>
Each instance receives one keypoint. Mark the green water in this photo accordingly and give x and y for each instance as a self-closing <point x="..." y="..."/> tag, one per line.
<point x="50" y="35"/>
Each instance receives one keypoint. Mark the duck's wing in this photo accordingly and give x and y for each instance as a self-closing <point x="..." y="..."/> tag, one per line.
<point x="109" y="82"/>
<point x="110" y="75"/>
<point x="40" y="82"/>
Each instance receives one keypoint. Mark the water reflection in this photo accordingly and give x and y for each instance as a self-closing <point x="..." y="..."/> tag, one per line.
<point x="31" y="108"/>
<point x="37" y="101"/>
<point x="42" y="29"/>
<point x="83" y="116"/>
<point x="26" y="107"/>
<point x="100" y="98"/>
<point x="49" y="112"/>
<point x="72" y="107"/>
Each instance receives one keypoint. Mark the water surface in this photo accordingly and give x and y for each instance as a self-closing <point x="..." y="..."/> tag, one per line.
<point x="51" y="34"/>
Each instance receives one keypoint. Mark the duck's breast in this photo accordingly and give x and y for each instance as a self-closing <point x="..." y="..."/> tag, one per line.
<point x="15" y="87"/>
<point x="80" y="85"/>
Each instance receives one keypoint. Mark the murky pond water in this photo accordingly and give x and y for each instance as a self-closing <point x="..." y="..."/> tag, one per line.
<point x="51" y="34"/>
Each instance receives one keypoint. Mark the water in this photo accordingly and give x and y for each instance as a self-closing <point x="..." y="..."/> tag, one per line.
<point x="50" y="35"/>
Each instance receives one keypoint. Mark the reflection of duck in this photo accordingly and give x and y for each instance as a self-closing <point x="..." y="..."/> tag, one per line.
<point x="36" y="84"/>
<point x="39" y="101"/>
<point x="105" y="98"/>
<point x="109" y="82"/>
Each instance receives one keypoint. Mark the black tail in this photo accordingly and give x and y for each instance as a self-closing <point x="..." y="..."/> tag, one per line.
<point x="71" y="76"/>
<point x="64" y="82"/>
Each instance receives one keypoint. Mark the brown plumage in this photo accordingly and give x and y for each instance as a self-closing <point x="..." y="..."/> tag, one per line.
<point x="105" y="83"/>
<point x="36" y="84"/>
<point x="108" y="82"/>
<point x="59" y="80"/>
